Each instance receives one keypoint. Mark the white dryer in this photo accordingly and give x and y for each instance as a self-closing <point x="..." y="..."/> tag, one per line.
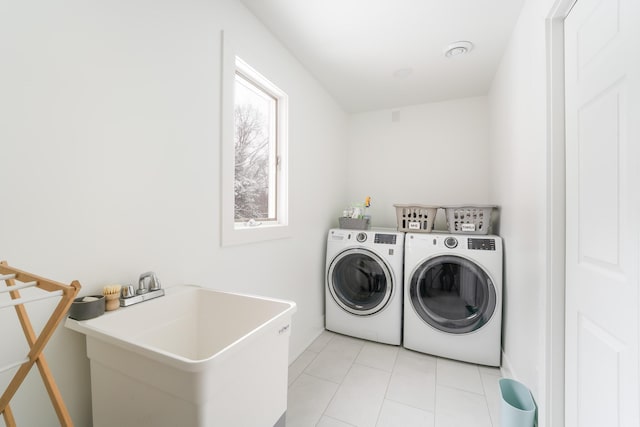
<point x="363" y="284"/>
<point x="453" y="296"/>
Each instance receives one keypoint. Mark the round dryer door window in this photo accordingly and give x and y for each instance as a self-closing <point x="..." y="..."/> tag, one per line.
<point x="452" y="294"/>
<point x="360" y="281"/>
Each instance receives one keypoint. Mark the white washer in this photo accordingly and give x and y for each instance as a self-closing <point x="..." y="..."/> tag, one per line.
<point x="453" y="296"/>
<point x="363" y="284"/>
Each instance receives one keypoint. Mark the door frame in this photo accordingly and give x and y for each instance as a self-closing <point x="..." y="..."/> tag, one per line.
<point x="554" y="321"/>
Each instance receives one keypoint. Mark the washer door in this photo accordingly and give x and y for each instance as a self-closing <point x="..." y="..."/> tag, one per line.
<point x="452" y="294"/>
<point x="360" y="281"/>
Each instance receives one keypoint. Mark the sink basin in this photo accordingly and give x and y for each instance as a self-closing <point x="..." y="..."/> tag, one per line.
<point x="195" y="357"/>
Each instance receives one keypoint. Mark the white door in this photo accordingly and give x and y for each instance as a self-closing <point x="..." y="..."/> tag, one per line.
<point x="602" y="77"/>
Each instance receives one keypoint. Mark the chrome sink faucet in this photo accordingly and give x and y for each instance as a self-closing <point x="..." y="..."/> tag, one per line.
<point x="154" y="283"/>
<point x="148" y="288"/>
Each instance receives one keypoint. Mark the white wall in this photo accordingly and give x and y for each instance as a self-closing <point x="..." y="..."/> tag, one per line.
<point x="435" y="153"/>
<point x="519" y="155"/>
<point x="110" y="142"/>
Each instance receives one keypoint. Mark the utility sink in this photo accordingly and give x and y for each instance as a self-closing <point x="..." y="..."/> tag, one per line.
<point x="195" y="357"/>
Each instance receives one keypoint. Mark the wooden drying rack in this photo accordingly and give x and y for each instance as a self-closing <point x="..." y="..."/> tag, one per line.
<point x="36" y="343"/>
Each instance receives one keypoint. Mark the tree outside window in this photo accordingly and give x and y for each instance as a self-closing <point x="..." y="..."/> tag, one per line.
<point x="255" y="152"/>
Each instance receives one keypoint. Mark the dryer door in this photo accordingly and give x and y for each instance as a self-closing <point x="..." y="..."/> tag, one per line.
<point x="452" y="294"/>
<point x="360" y="281"/>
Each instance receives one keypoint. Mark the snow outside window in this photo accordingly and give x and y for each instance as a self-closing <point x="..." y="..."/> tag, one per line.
<point x="255" y="205"/>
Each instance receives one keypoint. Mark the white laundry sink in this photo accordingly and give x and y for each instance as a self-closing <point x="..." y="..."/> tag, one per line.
<point x="195" y="357"/>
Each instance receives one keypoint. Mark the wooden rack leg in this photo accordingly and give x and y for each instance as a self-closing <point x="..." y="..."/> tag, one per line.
<point x="54" y="393"/>
<point x="43" y="366"/>
<point x="37" y="345"/>
<point x="8" y="417"/>
<point x="52" y="389"/>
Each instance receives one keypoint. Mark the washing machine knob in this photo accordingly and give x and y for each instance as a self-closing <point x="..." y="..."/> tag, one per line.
<point x="361" y="237"/>
<point x="451" y="242"/>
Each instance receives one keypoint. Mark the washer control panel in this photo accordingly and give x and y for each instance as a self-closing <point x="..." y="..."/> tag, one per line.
<point x="393" y="239"/>
<point x="481" y="244"/>
<point x="385" y="239"/>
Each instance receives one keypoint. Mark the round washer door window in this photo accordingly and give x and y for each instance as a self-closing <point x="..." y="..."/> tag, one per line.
<point x="452" y="294"/>
<point x="360" y="281"/>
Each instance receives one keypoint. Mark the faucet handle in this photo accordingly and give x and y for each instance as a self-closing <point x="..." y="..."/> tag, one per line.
<point x="127" y="292"/>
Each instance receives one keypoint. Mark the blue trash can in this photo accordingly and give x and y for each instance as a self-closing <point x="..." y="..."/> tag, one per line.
<point x="518" y="408"/>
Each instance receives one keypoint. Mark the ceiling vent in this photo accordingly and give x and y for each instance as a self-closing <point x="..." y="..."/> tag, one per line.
<point x="457" y="49"/>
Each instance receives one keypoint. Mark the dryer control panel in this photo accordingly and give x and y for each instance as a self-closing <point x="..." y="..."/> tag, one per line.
<point x="481" y="244"/>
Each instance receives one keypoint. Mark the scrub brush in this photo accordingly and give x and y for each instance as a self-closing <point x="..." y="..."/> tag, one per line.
<point x="112" y="295"/>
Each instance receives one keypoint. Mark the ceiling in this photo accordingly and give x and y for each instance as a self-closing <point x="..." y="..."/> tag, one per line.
<point x="384" y="54"/>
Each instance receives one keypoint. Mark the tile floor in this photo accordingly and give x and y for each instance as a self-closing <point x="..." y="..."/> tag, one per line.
<point x="341" y="381"/>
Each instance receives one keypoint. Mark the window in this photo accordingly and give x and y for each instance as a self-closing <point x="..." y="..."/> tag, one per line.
<point x="254" y="194"/>
<point x="256" y="153"/>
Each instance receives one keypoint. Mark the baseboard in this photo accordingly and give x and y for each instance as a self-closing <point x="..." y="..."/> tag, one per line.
<point x="506" y="368"/>
<point x="282" y="421"/>
<point x="315" y="333"/>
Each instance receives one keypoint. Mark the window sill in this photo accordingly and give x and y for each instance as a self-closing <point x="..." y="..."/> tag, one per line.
<point x="243" y="234"/>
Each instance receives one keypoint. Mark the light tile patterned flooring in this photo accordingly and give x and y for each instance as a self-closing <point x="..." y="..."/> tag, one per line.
<point x="341" y="381"/>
